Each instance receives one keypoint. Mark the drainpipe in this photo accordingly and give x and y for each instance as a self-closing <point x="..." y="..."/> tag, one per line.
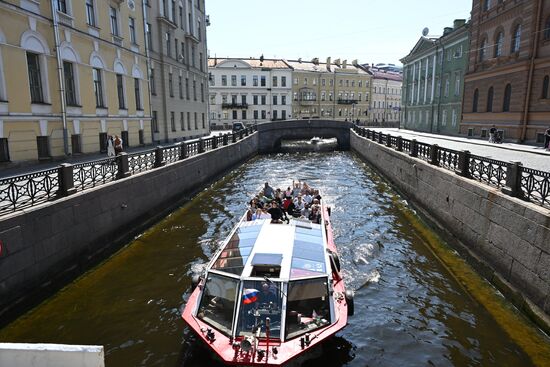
<point x="525" y="117"/>
<point x="148" y="66"/>
<point x="60" y="79"/>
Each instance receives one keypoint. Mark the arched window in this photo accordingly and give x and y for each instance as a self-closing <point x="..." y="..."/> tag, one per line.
<point x="490" y="100"/>
<point x="546" y="30"/>
<point x="476" y="98"/>
<point x="498" y="44"/>
<point x="545" y="87"/>
<point x="486" y="5"/>
<point x="482" y="50"/>
<point x="507" y="96"/>
<point x="516" y="38"/>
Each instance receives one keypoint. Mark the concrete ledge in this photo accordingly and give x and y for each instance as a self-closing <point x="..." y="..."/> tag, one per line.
<point x="51" y="355"/>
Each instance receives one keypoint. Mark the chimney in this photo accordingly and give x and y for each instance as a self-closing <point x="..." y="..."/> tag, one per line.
<point x="337" y="62"/>
<point x="300" y="60"/>
<point x="458" y="23"/>
<point x="447" y="30"/>
<point x="315" y="61"/>
<point x="355" y="63"/>
<point x="328" y="63"/>
<point x="345" y="64"/>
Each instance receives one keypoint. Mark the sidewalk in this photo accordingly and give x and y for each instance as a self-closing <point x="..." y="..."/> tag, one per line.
<point x="529" y="148"/>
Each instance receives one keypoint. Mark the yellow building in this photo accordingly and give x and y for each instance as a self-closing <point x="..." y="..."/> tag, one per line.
<point x="332" y="90"/>
<point x="71" y="73"/>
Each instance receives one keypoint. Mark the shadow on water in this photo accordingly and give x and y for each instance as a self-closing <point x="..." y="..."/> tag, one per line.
<point x="409" y="308"/>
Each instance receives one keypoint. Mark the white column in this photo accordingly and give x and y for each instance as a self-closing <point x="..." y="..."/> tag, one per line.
<point x="419" y="75"/>
<point x="433" y="78"/>
<point x="426" y="79"/>
<point x="412" y="85"/>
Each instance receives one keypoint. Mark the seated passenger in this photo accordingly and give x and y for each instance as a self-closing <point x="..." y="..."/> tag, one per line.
<point x="316" y="195"/>
<point x="315" y="215"/>
<point x="277" y="215"/>
<point x="306" y="211"/>
<point x="299" y="203"/>
<point x="268" y="191"/>
<point x="308" y="198"/>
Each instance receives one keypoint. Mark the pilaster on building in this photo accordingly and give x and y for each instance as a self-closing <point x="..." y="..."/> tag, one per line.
<point x="71" y="73"/>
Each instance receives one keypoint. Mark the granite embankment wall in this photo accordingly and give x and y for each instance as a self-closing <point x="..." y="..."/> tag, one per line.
<point x="47" y="245"/>
<point x="508" y="239"/>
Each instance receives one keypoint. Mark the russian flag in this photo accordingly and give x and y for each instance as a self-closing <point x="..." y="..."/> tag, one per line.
<point x="250" y="296"/>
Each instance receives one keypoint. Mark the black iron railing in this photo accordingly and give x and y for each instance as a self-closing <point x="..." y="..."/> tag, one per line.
<point x="20" y="192"/>
<point x="510" y="177"/>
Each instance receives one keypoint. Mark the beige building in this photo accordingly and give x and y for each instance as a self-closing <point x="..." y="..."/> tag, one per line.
<point x="70" y="77"/>
<point x="176" y="33"/>
<point x="332" y="90"/>
<point x="385" y="97"/>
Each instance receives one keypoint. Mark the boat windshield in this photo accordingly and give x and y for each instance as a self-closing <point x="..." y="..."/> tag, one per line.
<point x="218" y="302"/>
<point x="260" y="300"/>
<point x="307" y="306"/>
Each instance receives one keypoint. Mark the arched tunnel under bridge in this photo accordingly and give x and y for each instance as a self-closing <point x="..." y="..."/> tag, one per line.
<point x="271" y="133"/>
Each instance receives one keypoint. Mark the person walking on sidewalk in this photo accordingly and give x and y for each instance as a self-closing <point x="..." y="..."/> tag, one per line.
<point x="110" y="146"/>
<point x="547" y="139"/>
<point x="492" y="133"/>
<point x="118" y="145"/>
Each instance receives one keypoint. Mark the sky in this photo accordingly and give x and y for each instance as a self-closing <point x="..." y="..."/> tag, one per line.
<point x="371" y="31"/>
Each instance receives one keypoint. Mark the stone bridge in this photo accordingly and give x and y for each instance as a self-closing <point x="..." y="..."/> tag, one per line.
<point x="271" y="133"/>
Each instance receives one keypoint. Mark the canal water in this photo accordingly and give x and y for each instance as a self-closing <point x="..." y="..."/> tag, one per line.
<point x="411" y="309"/>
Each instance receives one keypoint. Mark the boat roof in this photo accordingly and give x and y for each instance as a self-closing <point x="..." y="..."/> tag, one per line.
<point x="296" y="249"/>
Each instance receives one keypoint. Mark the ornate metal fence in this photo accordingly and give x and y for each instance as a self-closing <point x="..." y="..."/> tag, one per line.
<point x="20" y="192"/>
<point x="511" y="177"/>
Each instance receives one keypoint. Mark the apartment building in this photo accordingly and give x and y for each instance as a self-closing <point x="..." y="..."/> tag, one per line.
<point x="71" y="73"/>
<point x="385" y="104"/>
<point x="333" y="90"/>
<point x="176" y="34"/>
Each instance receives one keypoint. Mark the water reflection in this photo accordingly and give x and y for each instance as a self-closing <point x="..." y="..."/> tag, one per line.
<point x="409" y="310"/>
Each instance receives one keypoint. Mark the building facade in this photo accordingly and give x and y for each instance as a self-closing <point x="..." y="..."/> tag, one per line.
<point x="178" y="72"/>
<point x="385" y="102"/>
<point x="249" y="90"/>
<point x="509" y="70"/>
<point x="71" y="73"/>
<point x="433" y="81"/>
<point x="331" y="90"/>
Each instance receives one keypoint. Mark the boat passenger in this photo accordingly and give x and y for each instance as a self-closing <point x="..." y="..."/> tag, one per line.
<point x="277" y="215"/>
<point x="260" y="214"/>
<point x="316" y="195"/>
<point x="308" y="198"/>
<point x="299" y="203"/>
<point x="288" y="191"/>
<point x="268" y="191"/>
<point x="315" y="215"/>
<point x="306" y="211"/>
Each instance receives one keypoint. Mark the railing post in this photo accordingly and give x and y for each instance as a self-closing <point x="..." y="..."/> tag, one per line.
<point x="184" y="153"/>
<point x="234" y="137"/>
<point x="434" y="156"/>
<point x="373" y="135"/>
<point x="159" y="157"/>
<point x="241" y="134"/>
<point x="380" y="135"/>
<point x="513" y="179"/>
<point x="414" y="149"/>
<point x="246" y="132"/>
<point x="214" y="142"/>
<point x="66" y="179"/>
<point x="463" y="168"/>
<point x="201" y="145"/>
<point x="388" y="140"/>
<point x="123" y="165"/>
<point x="399" y="146"/>
<point x="225" y="139"/>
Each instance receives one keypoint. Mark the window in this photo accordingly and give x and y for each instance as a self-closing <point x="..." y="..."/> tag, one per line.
<point x="176" y="54"/>
<point x="243" y="115"/>
<point x="547" y="29"/>
<point x="204" y="120"/>
<point x="255" y="100"/>
<point x="202" y="92"/>
<point x="61" y="5"/>
<point x="70" y="86"/>
<point x="255" y="115"/>
<point x="233" y="80"/>
<point x="201" y="64"/>
<point x="263" y="100"/>
<point x="172" y="121"/>
<point x="482" y="50"/>
<point x="132" y="25"/>
<point x="137" y="93"/>
<point x="305" y="81"/>
<point x="168" y="39"/>
<point x="243" y="99"/>
<point x="295" y="81"/>
<point x="274" y="81"/>
<point x="262" y="81"/>
<point x="443" y="119"/>
<point x="243" y="80"/>
<point x="446" y="93"/>
<point x="181" y="18"/>
<point x="35" y="78"/>
<point x="516" y="39"/>
<point x="275" y="100"/>
<point x="120" y="91"/>
<point x="149" y="40"/>
<point x="114" y="21"/>
<point x="507" y="96"/>
<point x="182" y="122"/>
<point x="295" y="96"/>
<point x="182" y="58"/>
<point x="196" y="122"/>
<point x="90" y="12"/>
<point x="188" y="120"/>
<point x="264" y="115"/>
<point x="283" y="81"/>
<point x="170" y="85"/>
<point x="498" y="44"/>
<point x="224" y="80"/>
<point x="173" y="12"/>
<point x="475" y="101"/>
<point x="255" y="81"/>
<point x="152" y="82"/>
<point x="194" y="90"/>
<point x="545" y="87"/>
<point x="193" y="58"/>
<point x="283" y="100"/>
<point x="154" y="122"/>
<point x="98" y="88"/>
<point x="486" y="5"/>
<point x="180" y="86"/>
<point x="457" y="84"/>
<point x="490" y="100"/>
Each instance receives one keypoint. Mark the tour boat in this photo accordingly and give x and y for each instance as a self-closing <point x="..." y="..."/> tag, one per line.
<point x="315" y="140"/>
<point x="271" y="293"/>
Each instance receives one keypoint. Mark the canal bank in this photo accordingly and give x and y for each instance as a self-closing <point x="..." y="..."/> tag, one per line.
<point x="50" y="244"/>
<point x="409" y="307"/>
<point x="506" y="239"/>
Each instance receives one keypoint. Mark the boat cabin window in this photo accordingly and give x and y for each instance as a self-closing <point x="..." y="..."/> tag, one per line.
<point x="260" y="300"/>
<point x="307" y="306"/>
<point x="218" y="302"/>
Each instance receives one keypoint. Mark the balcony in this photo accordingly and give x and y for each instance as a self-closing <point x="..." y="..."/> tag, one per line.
<point x="346" y="101"/>
<point x="308" y="101"/>
<point x="234" y="105"/>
